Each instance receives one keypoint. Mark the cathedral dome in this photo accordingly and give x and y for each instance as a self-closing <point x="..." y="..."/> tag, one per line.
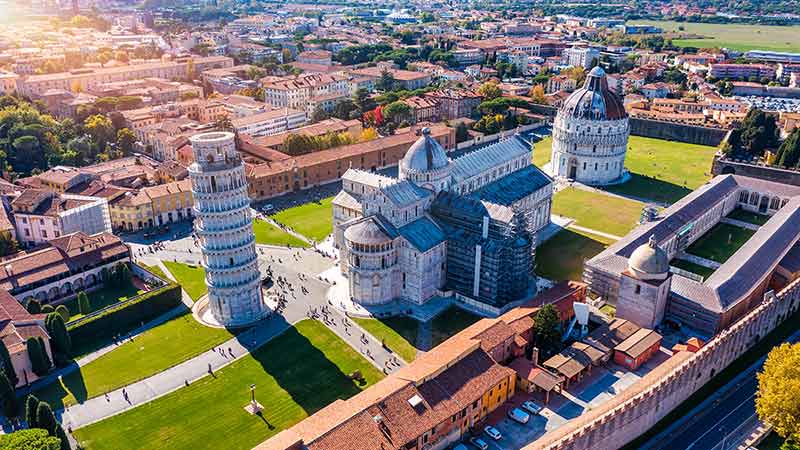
<point x="425" y="155"/>
<point x="367" y="233"/>
<point x="594" y="101"/>
<point x="649" y="261"/>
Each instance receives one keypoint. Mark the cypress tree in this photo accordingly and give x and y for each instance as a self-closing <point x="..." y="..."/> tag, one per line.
<point x="31" y="406"/>
<point x="8" y="397"/>
<point x="84" y="307"/>
<point x="45" y="418"/>
<point x="789" y="152"/>
<point x="63" y="311"/>
<point x="47" y="309"/>
<point x="35" y="355"/>
<point x="34" y="307"/>
<point x="47" y="363"/>
<point x="6" y="366"/>
<point x="59" y="336"/>
<point x="62" y="436"/>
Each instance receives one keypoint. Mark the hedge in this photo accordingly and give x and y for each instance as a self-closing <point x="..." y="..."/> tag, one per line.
<point x="119" y="320"/>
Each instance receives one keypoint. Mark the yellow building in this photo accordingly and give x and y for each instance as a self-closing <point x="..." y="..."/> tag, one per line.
<point x="171" y="202"/>
<point x="131" y="211"/>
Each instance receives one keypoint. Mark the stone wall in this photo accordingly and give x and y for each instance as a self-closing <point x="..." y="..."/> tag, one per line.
<point x="723" y="165"/>
<point x="640" y="407"/>
<point x="689" y="134"/>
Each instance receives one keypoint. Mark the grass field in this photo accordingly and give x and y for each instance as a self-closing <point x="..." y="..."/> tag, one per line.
<point x="156" y="270"/>
<point x="733" y="36"/>
<point x="101" y="298"/>
<point x="191" y="278"/>
<point x="151" y="352"/>
<point x="449" y="322"/>
<point x="664" y="171"/>
<point x="542" y="151"/>
<point x="312" y="220"/>
<point x="562" y="256"/>
<point x="399" y="334"/>
<point x="267" y="233"/>
<point x="696" y="269"/>
<point x="715" y="244"/>
<point x="749" y="217"/>
<point x="209" y="414"/>
<point x="598" y="211"/>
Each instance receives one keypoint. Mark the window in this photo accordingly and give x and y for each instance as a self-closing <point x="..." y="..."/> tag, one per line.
<point x="638" y="289"/>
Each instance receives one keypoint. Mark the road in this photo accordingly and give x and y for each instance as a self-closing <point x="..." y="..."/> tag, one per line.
<point x="721" y="422"/>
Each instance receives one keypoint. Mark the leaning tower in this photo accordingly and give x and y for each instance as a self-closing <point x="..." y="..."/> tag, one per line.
<point x="224" y="225"/>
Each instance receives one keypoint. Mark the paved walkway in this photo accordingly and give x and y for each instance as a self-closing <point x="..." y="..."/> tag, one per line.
<point x="597" y="232"/>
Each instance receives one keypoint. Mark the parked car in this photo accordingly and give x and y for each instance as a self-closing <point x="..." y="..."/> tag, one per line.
<point x="480" y="443"/>
<point x="268" y="208"/>
<point x="519" y="415"/>
<point x="493" y="432"/>
<point x="531" y="407"/>
<point x="460" y="447"/>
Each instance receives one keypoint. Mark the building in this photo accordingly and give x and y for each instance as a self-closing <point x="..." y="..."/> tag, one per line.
<point x="269" y="122"/>
<point x="319" y="57"/>
<point x="635" y="272"/>
<point x="741" y="71"/>
<point x="581" y="56"/>
<point x="467" y="225"/>
<point x="62" y="267"/>
<point x="423" y="109"/>
<point x="590" y="134"/>
<point x="405" y="79"/>
<point x="299" y="93"/>
<point x="455" y="103"/>
<point x="560" y="83"/>
<point x="42" y="215"/>
<point x="224" y="226"/>
<point x="16" y="327"/>
<point x="785" y="72"/>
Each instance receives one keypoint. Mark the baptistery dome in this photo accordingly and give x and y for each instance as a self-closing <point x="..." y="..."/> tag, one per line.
<point x="594" y="101"/>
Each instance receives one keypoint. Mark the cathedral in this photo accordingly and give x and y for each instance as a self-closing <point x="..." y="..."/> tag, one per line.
<point x="463" y="227"/>
<point x="590" y="134"/>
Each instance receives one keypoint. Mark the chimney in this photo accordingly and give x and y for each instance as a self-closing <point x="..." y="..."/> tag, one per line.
<point x="535" y="356"/>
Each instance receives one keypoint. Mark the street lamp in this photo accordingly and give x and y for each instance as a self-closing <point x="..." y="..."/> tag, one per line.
<point x="253" y="407"/>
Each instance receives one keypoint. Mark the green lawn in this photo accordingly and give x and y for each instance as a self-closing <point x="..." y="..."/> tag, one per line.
<point x="719" y="243"/>
<point x="542" y="151"/>
<point x="598" y="211"/>
<point x="664" y="171"/>
<point x="562" y="256"/>
<point x="296" y="374"/>
<point x="609" y="310"/>
<point x="399" y="334"/>
<point x="696" y="269"/>
<point x="312" y="220"/>
<point x="267" y="233"/>
<point x="771" y="442"/>
<point x="153" y="351"/>
<point x="191" y="278"/>
<point x="156" y="270"/>
<point x="101" y="298"/>
<point x="449" y="322"/>
<point x="733" y="36"/>
<point x="749" y="217"/>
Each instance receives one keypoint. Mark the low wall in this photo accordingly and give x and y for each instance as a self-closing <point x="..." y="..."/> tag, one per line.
<point x="485" y="139"/>
<point x="640" y="407"/>
<point x="689" y="134"/>
<point x="723" y="165"/>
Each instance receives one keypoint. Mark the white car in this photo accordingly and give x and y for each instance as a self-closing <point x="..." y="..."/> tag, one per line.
<point x="480" y="443"/>
<point x="518" y="415"/>
<point x="531" y="407"/>
<point x="493" y="432"/>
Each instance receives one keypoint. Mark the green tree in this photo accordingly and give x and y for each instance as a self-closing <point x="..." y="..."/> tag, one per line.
<point x="758" y="132"/>
<point x="363" y="101"/>
<point x="8" y="244"/>
<point x="33" y="306"/>
<point x="547" y="330"/>
<point x="224" y="124"/>
<point x="8" y="397"/>
<point x="319" y="114"/>
<point x="489" y="91"/>
<point x="45" y="419"/>
<point x="38" y="356"/>
<point x="62" y="437"/>
<point x="84" y="307"/>
<point x="462" y="132"/>
<point x="31" y="439"/>
<point x="386" y="82"/>
<point x="344" y="109"/>
<point x="125" y="141"/>
<point x="100" y="129"/>
<point x="47" y="309"/>
<point x="6" y="365"/>
<point x="777" y="399"/>
<point x="397" y="112"/>
<point x="31" y="405"/>
<point x="789" y="152"/>
<point x="63" y="311"/>
<point x="59" y="336"/>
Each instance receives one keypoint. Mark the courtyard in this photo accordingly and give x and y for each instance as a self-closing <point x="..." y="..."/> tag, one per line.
<point x="209" y="413"/>
<point x="720" y="243"/>
<point x="562" y="256"/>
<point x="191" y="278"/>
<point x="598" y="211"/>
<point x="313" y="220"/>
<point x="268" y="234"/>
<point x="398" y="333"/>
<point x="689" y="266"/>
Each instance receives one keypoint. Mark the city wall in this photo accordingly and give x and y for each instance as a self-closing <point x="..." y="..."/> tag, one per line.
<point x="640" y="407"/>
<point x="723" y="165"/>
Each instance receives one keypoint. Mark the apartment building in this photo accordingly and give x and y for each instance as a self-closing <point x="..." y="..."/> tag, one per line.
<point x="580" y="56"/>
<point x="560" y="83"/>
<point x="454" y="103"/>
<point x="318" y="57"/>
<point x="42" y="215"/>
<point x="423" y="109"/>
<point x="741" y="71"/>
<point x="270" y="122"/>
<point x="87" y="79"/>
<point x="153" y="206"/>
<point x="297" y="93"/>
<point x="406" y="79"/>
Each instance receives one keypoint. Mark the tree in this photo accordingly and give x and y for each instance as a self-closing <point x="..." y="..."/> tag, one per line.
<point x="45" y="419"/>
<point x="319" y="114"/>
<point x="344" y="109"/>
<point x="254" y="73"/>
<point x="59" y="336"/>
<point x="125" y="141"/>
<point x="224" y="124"/>
<point x="758" y="132"/>
<point x="547" y="329"/>
<point x="363" y="101"/>
<point x="368" y="134"/>
<point x="47" y="309"/>
<point x="386" y="82"/>
<point x="777" y="399"/>
<point x="63" y="311"/>
<point x="462" y="132"/>
<point x="38" y="356"/>
<point x="31" y="405"/>
<point x="8" y="245"/>
<point x="100" y="129"/>
<point x="8" y="397"/>
<point x="789" y="152"/>
<point x="537" y="95"/>
<point x="286" y="55"/>
<point x="34" y="307"/>
<point x="6" y="365"/>
<point x="62" y="438"/>
<point x="489" y="91"/>
<point x="32" y="439"/>
<point x="84" y="307"/>
<point x="397" y="112"/>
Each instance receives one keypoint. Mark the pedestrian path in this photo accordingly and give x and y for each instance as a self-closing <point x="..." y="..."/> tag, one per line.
<point x="597" y="232"/>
